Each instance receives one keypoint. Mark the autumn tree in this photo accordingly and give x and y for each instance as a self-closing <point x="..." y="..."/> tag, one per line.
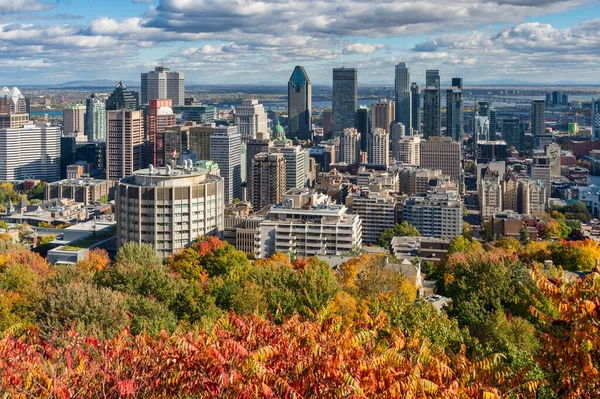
<point x="403" y="229"/>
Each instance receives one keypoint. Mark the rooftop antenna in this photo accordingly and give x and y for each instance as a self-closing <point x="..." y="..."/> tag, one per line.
<point x="342" y="51"/>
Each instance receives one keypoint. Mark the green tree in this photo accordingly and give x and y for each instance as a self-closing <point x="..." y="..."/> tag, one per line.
<point x="403" y="229"/>
<point x="467" y="231"/>
<point x="37" y="191"/>
<point x="3" y="225"/>
<point x="149" y="315"/>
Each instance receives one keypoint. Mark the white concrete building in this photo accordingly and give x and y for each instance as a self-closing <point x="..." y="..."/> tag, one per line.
<point x="30" y="151"/>
<point x="169" y="208"/>
<point x="379" y="147"/>
<point x="490" y="195"/>
<point x="307" y="224"/>
<point x="410" y="150"/>
<point x="376" y="210"/>
<point x="251" y="120"/>
<point x="350" y="146"/>
<point x="161" y="84"/>
<point x="435" y="215"/>
<point x="226" y="151"/>
<point x="297" y="166"/>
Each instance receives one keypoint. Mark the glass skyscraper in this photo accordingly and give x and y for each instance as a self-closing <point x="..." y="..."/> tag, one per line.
<point x="344" y="99"/>
<point x="404" y="112"/>
<point x="95" y="119"/>
<point x="431" y="105"/>
<point x="299" y="105"/>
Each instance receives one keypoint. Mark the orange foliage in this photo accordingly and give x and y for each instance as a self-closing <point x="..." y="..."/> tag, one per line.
<point x="95" y="260"/>
<point x="32" y="260"/>
<point x="249" y="357"/>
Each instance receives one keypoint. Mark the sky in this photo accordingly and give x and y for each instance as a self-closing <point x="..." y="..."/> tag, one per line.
<point x="259" y="42"/>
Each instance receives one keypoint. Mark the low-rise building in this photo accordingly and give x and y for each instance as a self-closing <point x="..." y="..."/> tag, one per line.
<point x="84" y="190"/>
<point x="425" y="248"/>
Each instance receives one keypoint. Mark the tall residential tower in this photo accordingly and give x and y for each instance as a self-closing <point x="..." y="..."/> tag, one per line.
<point x="404" y="98"/>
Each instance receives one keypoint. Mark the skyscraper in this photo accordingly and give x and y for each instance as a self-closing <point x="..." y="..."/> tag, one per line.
<point x="121" y="98"/>
<point x="444" y="154"/>
<point x="225" y="150"/>
<point x="432" y="105"/>
<point x="251" y="120"/>
<point x="12" y="101"/>
<point x="124" y="144"/>
<point x="350" y="146"/>
<point x="344" y="98"/>
<point x="512" y="133"/>
<point x="299" y="104"/>
<point x="485" y="108"/>
<point x="383" y="115"/>
<point x="538" y="124"/>
<point x="363" y="125"/>
<point x="379" y="148"/>
<point x="454" y="111"/>
<point x="402" y="86"/>
<point x="95" y="119"/>
<point x="162" y="84"/>
<point x="415" y="95"/>
<point x="398" y="132"/>
<point x="74" y="121"/>
<point x="160" y="117"/>
<point x="253" y="148"/>
<point x="268" y="179"/>
<point x="596" y="120"/>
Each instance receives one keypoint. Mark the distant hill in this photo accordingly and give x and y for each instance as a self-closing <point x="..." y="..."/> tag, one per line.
<point x="95" y="83"/>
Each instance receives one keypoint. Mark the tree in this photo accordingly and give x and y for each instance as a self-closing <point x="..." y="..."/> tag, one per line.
<point x="37" y="191"/>
<point x="4" y="225"/>
<point x="464" y="245"/>
<point x="47" y="239"/>
<point x="95" y="260"/>
<point x="467" y="231"/>
<point x="403" y="229"/>
<point x="103" y="199"/>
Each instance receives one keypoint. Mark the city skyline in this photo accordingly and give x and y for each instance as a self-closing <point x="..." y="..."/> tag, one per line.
<point x="52" y="42"/>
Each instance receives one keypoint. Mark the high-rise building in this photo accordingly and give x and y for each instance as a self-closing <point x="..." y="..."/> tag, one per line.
<point x="297" y="163"/>
<point x="199" y="140"/>
<point x="553" y="152"/>
<point x="199" y="113"/>
<point x="379" y="148"/>
<point x="344" y="98"/>
<point x="548" y="100"/>
<point x="350" y="146"/>
<point x="513" y="134"/>
<point x="377" y="211"/>
<point x="481" y="131"/>
<point x="253" y="148"/>
<point x="124" y="143"/>
<point x="328" y="123"/>
<point x="398" y="132"/>
<point x="454" y="111"/>
<point x="74" y="121"/>
<point x="538" y="125"/>
<point x="299" y="105"/>
<point x="169" y="208"/>
<point x="404" y="97"/>
<point x="30" y="151"/>
<point x="556" y="97"/>
<point x="225" y="150"/>
<point x="487" y="109"/>
<point x="596" y="119"/>
<point x="12" y="101"/>
<point x="444" y="154"/>
<point x="160" y="116"/>
<point x="268" y="179"/>
<point x="121" y="98"/>
<point x="540" y="170"/>
<point x="163" y="84"/>
<point x="363" y="126"/>
<point x="410" y="150"/>
<point x="435" y="215"/>
<point x="9" y="120"/>
<point x="415" y="95"/>
<point x="432" y="122"/>
<point x="251" y="120"/>
<point x="95" y="119"/>
<point x="490" y="195"/>
<point x="308" y="224"/>
<point x="417" y="181"/>
<point x="382" y="115"/>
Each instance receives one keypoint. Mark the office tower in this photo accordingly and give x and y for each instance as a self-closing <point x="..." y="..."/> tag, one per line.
<point x="322" y="156"/>
<point x="309" y="224"/>
<point x="297" y="163"/>
<point x="398" y="132"/>
<point x="481" y="132"/>
<point x="417" y="181"/>
<point x="404" y="96"/>
<point x="225" y="150"/>
<point x="95" y="119"/>
<point x="432" y="78"/>
<point x="363" y="125"/>
<point x="350" y="147"/>
<point x="199" y="141"/>
<point x="299" y="105"/>
<point x="548" y="100"/>
<point x="9" y="120"/>
<point x="268" y="179"/>
<point x="253" y="148"/>
<point x="169" y="208"/>
<point x="74" y="121"/>
<point x="540" y="170"/>
<point x="377" y="211"/>
<point x="538" y="126"/>
<point x="196" y="113"/>
<point x="124" y="144"/>
<point x="163" y="84"/>
<point x="251" y="120"/>
<point x="410" y="150"/>
<point x="458" y="83"/>
<point x="31" y="151"/>
<point x="68" y="154"/>
<point x="564" y="99"/>
<point x="382" y="115"/>
<point x="344" y="98"/>
<point x="12" y="101"/>
<point x="415" y="95"/>
<point x="485" y="108"/>
<point x="491" y="151"/>
<point x="435" y="215"/>
<point x="512" y="133"/>
<point x="444" y="154"/>
<point x="121" y="98"/>
<point x="327" y="123"/>
<point x="556" y="97"/>
<point x="431" y="113"/>
<point x="160" y="116"/>
<point x="379" y="148"/>
<point x="454" y="111"/>
<point x="596" y="119"/>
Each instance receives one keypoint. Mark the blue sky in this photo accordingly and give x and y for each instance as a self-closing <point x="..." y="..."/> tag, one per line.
<point x="252" y="41"/>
